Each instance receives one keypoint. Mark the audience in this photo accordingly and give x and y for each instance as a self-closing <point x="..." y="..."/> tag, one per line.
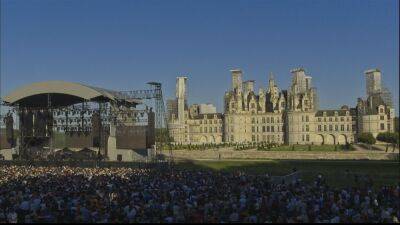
<point x="124" y="195"/>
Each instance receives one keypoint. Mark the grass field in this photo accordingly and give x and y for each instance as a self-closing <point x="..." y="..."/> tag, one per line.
<point x="382" y="172"/>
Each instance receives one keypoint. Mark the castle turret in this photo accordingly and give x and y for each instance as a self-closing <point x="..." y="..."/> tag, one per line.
<point x="181" y="97"/>
<point x="237" y="81"/>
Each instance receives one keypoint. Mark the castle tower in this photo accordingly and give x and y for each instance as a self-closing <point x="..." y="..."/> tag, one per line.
<point x="248" y="86"/>
<point x="299" y="82"/>
<point x="181" y="97"/>
<point x="373" y="81"/>
<point x="237" y="81"/>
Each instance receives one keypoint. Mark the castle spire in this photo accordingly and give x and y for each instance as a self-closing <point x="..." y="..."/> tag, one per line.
<point x="271" y="76"/>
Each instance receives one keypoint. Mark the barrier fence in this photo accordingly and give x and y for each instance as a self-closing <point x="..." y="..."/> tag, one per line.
<point x="89" y="164"/>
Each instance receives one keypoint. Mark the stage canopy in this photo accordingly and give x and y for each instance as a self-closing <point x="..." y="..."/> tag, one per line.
<point x="62" y="93"/>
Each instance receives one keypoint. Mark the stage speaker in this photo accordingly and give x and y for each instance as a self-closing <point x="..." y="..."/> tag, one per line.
<point x="96" y="126"/>
<point x="9" y="121"/>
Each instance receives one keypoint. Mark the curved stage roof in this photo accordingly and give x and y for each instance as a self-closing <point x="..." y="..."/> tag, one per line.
<point x="61" y="93"/>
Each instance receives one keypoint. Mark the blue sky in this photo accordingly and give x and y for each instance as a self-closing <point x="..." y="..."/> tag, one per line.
<point x="124" y="44"/>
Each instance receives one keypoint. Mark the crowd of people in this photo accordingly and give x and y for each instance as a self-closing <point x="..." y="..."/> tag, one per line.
<point x="97" y="195"/>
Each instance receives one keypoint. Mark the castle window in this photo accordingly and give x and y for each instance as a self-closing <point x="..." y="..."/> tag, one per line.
<point x="263" y="119"/>
<point x="336" y="127"/>
<point x="319" y="127"/>
<point x="253" y="120"/>
<point x="307" y="137"/>
<point x="330" y="127"/>
<point x="342" y="127"/>
<point x="272" y="128"/>
<point x="303" y="137"/>
<point x="215" y="129"/>
<point x="324" y="127"/>
<point x="382" y="126"/>
<point x="267" y="119"/>
<point x="253" y="138"/>
<point x="330" y="119"/>
<point x="319" y="119"/>
<point x="381" y="110"/>
<point x="307" y="118"/>
<point x="382" y="117"/>
<point x="342" y="119"/>
<point x="267" y="128"/>
<point x="263" y="128"/>
<point x="307" y="128"/>
<point x="253" y="129"/>
<point x="272" y="119"/>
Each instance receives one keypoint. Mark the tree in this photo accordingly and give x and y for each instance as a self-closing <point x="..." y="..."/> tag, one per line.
<point x="388" y="137"/>
<point x="366" y="138"/>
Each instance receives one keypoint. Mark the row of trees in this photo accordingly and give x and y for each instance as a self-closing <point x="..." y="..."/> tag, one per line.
<point x="203" y="146"/>
<point x="236" y="146"/>
<point x="387" y="137"/>
<point x="258" y="146"/>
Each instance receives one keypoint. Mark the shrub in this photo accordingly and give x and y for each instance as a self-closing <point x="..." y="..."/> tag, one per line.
<point x="388" y="137"/>
<point x="366" y="138"/>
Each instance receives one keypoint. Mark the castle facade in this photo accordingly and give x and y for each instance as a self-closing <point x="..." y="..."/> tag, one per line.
<point x="280" y="116"/>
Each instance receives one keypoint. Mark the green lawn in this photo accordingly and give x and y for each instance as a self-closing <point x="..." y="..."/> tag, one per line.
<point x="382" y="172"/>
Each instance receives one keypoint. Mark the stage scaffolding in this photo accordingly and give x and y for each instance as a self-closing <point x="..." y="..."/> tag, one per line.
<point x="40" y="128"/>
